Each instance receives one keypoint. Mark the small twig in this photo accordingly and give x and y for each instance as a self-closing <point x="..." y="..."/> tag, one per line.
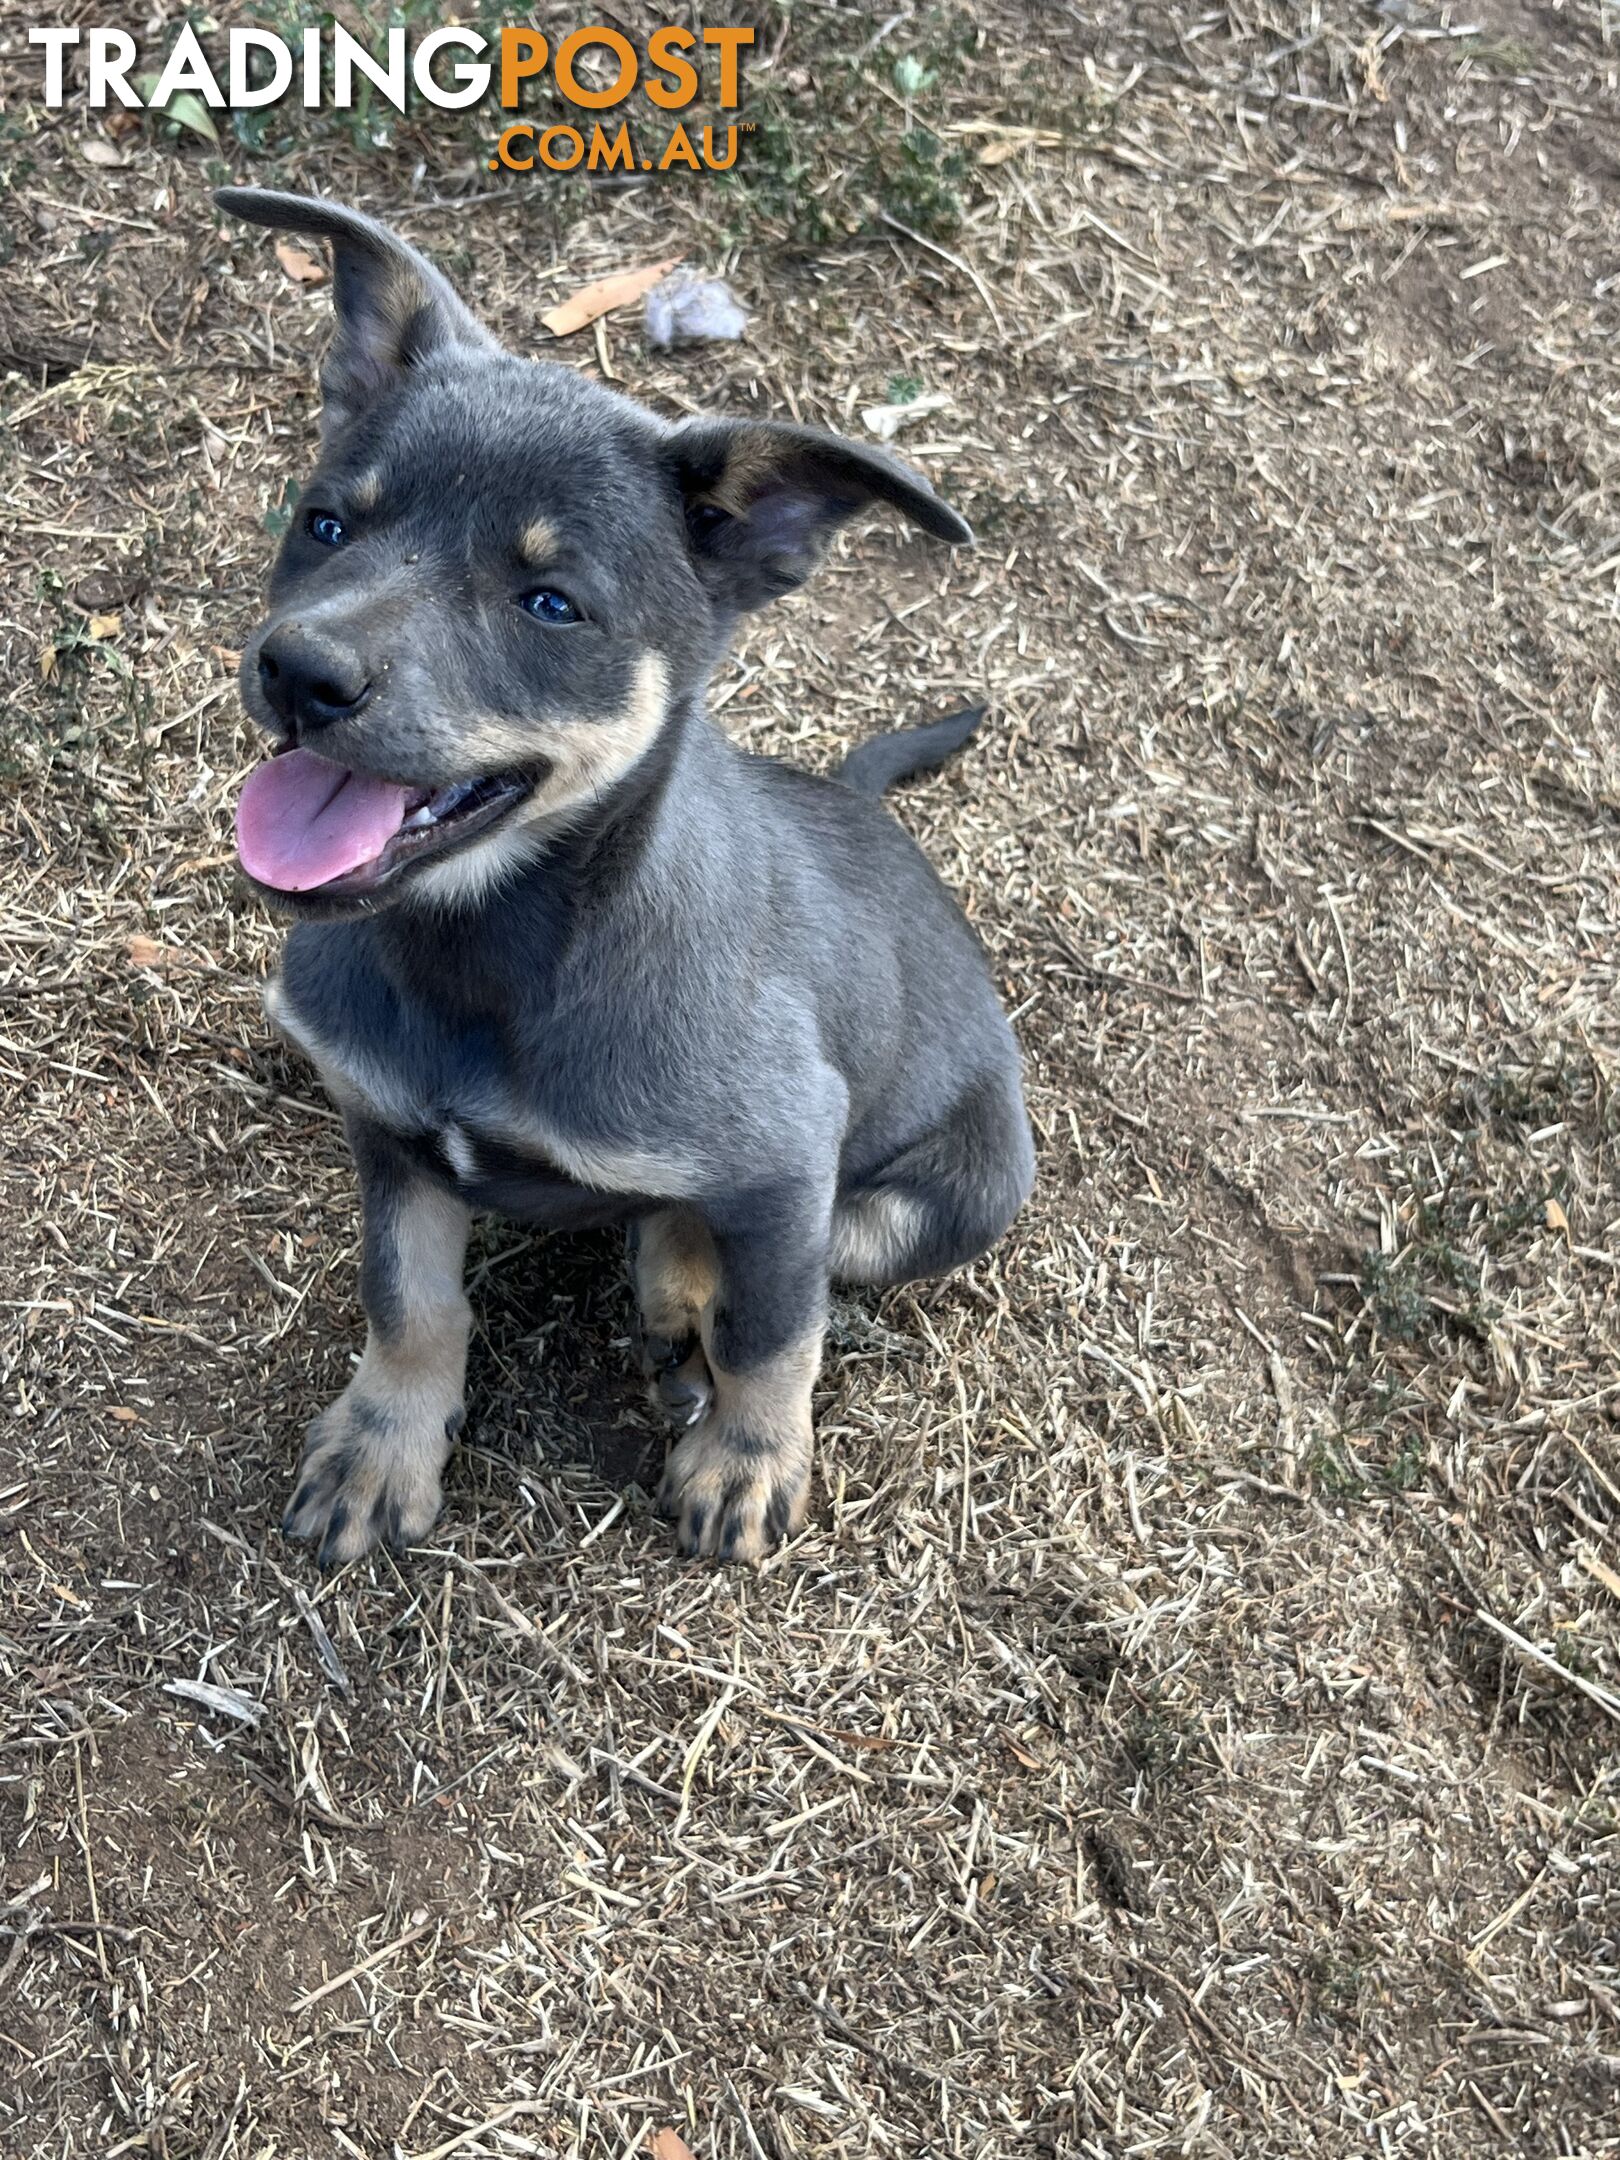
<point x="297" y="1804"/>
<point x="1212" y="2033"/>
<point x="70" y="1927"/>
<point x="895" y="2064"/>
<point x="493" y="2122"/>
<point x="370" y="1964"/>
<point x="1545" y="1659"/>
<point x="524" y="1625"/>
<point x="956" y="262"/>
<point x="1124" y="982"/>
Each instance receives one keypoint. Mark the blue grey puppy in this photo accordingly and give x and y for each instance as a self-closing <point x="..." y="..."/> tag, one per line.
<point x="564" y="952"/>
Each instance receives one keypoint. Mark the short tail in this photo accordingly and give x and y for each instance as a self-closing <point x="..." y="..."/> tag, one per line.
<point x="873" y="766"/>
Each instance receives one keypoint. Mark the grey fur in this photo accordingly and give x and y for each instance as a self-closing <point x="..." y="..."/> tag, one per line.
<point x="871" y="768"/>
<point x="696" y="977"/>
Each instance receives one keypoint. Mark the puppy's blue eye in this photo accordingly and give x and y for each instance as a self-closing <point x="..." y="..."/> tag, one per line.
<point x="327" y="529"/>
<point x="550" y="606"/>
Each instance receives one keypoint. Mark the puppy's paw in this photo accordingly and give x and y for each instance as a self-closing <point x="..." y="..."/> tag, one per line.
<point x="679" y="1381"/>
<point x="732" y="1496"/>
<point x="369" y="1475"/>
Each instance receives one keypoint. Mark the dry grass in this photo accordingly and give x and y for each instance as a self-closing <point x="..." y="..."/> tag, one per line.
<point x="1189" y="1723"/>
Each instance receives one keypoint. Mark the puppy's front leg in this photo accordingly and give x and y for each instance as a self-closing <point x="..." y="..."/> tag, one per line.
<point x="738" y="1482"/>
<point x="371" y="1464"/>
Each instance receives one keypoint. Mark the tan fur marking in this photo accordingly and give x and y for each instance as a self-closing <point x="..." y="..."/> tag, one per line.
<point x="366" y="492"/>
<point x="676" y="1271"/>
<point x="755" y="461"/>
<point x="537" y="543"/>
<point x="771" y="1400"/>
<point x="741" y="1478"/>
<point x="586" y="758"/>
<point x="873" y="1235"/>
<point x="430" y="1248"/>
<point x="586" y="755"/>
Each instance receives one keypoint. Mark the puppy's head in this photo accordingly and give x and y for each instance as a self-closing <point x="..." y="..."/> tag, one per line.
<point x="499" y="585"/>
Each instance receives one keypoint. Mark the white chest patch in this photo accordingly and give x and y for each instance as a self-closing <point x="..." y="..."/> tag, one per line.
<point x="378" y="1090"/>
<point x="458" y="1150"/>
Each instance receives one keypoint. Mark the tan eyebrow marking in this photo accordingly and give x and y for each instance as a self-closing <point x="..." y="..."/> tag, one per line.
<point x="537" y="543"/>
<point x="366" y="491"/>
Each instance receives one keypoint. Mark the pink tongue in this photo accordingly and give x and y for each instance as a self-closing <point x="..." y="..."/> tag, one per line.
<point x="302" y="821"/>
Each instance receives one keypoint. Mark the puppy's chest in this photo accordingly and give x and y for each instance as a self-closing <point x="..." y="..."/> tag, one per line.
<point x="456" y="1086"/>
<point x="392" y="1063"/>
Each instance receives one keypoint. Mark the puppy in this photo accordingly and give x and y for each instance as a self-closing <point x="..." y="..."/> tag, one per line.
<point x="561" y="950"/>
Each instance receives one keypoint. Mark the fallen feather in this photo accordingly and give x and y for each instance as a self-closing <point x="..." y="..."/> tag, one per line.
<point x="689" y="310"/>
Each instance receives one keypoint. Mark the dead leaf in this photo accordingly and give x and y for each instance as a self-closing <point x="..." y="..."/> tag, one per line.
<point x="125" y="1417"/>
<point x="1556" y="1218"/>
<point x="104" y="590"/>
<point x="1006" y="142"/>
<point x="106" y="626"/>
<point x="95" y="150"/>
<point x="300" y="265"/>
<point x="670" y="2145"/>
<point x="581" y="309"/>
<point x="47" y="663"/>
<point x="145" y="952"/>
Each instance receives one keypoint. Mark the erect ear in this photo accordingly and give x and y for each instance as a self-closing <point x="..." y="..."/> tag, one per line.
<point x="762" y="500"/>
<point x="393" y="307"/>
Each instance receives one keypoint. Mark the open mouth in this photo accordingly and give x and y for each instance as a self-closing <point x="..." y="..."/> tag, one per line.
<point x="305" y="825"/>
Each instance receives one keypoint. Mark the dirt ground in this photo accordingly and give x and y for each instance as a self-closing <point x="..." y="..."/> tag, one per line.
<point x="1189" y="1722"/>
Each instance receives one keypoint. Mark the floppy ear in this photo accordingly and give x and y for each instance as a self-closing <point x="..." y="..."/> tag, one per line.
<point x="763" y="498"/>
<point x="393" y="307"/>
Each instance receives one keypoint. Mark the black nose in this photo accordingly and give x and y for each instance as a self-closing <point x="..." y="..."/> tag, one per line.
<point x="311" y="679"/>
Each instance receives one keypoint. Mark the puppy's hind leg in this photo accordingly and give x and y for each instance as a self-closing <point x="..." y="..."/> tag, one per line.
<point x="945" y="1199"/>
<point x="673" y="1263"/>
<point x="370" y="1467"/>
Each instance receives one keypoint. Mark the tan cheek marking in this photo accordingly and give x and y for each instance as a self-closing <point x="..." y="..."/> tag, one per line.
<point x="590" y="755"/>
<point x="537" y="543"/>
<point x="586" y="756"/>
